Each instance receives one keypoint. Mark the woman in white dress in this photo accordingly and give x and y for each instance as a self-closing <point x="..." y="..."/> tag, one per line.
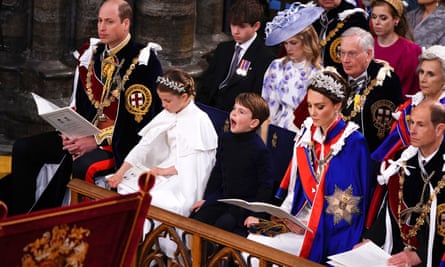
<point x="178" y="146"/>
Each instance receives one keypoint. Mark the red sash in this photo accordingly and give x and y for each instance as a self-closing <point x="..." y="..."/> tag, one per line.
<point x="301" y="113"/>
<point x="286" y="178"/>
<point x="314" y="192"/>
<point x="307" y="175"/>
<point x="314" y="220"/>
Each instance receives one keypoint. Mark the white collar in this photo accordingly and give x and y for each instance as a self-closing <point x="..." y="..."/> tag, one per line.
<point x="426" y="159"/>
<point x="244" y="46"/>
<point x="364" y="75"/>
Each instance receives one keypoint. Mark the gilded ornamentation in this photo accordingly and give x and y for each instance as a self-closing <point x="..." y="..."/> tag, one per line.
<point x="381" y="113"/>
<point x="359" y="101"/>
<point x="138" y="100"/>
<point x="342" y="205"/>
<point x="441" y="221"/>
<point x="332" y="33"/>
<point x="422" y="208"/>
<point x="62" y="246"/>
<point x="112" y="86"/>
<point x="334" y="50"/>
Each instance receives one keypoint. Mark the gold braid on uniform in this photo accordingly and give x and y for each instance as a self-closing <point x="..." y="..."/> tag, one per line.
<point x="333" y="32"/>
<point x="107" y="70"/>
<point x="360" y="99"/>
<point x="424" y="210"/>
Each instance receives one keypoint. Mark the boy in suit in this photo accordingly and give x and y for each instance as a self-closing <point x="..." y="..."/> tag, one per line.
<point x="237" y="66"/>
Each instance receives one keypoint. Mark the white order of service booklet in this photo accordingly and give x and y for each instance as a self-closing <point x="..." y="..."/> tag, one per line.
<point x="369" y="254"/>
<point x="267" y="208"/>
<point x="65" y="120"/>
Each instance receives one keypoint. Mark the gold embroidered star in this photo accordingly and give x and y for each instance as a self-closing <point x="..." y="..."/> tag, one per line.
<point x="342" y="205"/>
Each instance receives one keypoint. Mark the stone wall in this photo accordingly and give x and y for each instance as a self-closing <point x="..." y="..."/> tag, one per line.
<point x="38" y="37"/>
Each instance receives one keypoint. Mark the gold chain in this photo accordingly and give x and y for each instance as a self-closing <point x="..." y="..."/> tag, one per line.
<point x="425" y="209"/>
<point x="332" y="33"/>
<point x="358" y="106"/>
<point x="105" y="102"/>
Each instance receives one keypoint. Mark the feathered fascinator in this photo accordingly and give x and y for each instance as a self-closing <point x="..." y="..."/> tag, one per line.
<point x="291" y="21"/>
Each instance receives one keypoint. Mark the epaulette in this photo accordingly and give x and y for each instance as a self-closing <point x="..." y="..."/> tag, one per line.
<point x="348" y="12"/>
<point x="384" y="71"/>
<point x="85" y="57"/>
<point x="144" y="54"/>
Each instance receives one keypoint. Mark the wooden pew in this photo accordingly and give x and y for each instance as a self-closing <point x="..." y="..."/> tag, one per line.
<point x="190" y="250"/>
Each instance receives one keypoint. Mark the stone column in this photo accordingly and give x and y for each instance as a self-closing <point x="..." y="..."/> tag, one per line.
<point x="170" y="23"/>
<point x="209" y="18"/>
<point x="49" y="32"/>
<point x="85" y="20"/>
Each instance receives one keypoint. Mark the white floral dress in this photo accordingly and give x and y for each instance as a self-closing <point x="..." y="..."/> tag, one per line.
<point x="284" y="88"/>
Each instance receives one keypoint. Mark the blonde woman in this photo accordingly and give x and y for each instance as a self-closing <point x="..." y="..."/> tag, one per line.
<point x="284" y="85"/>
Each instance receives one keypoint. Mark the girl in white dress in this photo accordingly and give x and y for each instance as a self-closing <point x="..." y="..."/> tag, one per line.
<point x="178" y="146"/>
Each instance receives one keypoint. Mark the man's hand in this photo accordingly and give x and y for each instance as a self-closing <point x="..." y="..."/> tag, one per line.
<point x="251" y="220"/>
<point x="77" y="147"/>
<point x="404" y="259"/>
<point x="197" y="205"/>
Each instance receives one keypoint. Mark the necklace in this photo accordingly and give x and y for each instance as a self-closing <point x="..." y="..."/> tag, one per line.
<point x="359" y="101"/>
<point x="317" y="163"/>
<point x="333" y="32"/>
<point x="108" y="96"/>
<point x="421" y="208"/>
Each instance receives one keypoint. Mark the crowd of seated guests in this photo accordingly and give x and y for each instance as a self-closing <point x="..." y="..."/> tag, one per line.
<point x="349" y="77"/>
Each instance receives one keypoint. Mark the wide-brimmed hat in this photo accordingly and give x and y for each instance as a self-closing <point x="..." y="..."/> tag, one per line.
<point x="291" y="21"/>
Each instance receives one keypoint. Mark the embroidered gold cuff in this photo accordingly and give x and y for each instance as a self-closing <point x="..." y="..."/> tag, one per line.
<point x="104" y="136"/>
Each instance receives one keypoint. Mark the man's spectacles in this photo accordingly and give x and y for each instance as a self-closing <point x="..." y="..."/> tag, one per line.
<point x="349" y="54"/>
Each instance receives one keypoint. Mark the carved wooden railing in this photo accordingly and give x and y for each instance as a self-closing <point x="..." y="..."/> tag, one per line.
<point x="194" y="239"/>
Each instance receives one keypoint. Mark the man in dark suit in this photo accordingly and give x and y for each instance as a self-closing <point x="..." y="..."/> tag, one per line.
<point x="115" y="89"/>
<point x="376" y="89"/>
<point x="239" y="65"/>
<point x="410" y="223"/>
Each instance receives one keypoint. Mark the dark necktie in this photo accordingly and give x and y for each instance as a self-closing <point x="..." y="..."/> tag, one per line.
<point x="232" y="68"/>
<point x="357" y="84"/>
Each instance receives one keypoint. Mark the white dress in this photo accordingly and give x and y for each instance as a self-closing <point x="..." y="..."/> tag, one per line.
<point x="186" y="140"/>
<point x="284" y="88"/>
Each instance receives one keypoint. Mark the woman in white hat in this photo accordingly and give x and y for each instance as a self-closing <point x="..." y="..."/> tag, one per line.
<point x="431" y="75"/>
<point x="284" y="85"/>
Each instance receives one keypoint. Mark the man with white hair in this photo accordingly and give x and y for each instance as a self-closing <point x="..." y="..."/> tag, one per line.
<point x="376" y="89"/>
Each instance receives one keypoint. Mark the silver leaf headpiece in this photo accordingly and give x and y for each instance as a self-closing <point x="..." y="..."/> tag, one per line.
<point x="179" y="87"/>
<point x="321" y="80"/>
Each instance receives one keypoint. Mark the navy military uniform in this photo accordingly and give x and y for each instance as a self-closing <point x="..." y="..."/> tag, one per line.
<point x="129" y="104"/>
<point x="371" y="106"/>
